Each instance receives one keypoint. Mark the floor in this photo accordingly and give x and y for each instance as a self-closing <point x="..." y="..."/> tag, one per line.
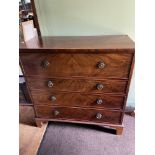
<point x="73" y="139"/>
<point x="29" y="136"/>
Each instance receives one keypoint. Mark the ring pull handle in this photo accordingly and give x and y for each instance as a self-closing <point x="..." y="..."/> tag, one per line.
<point x="45" y="63"/>
<point x="99" y="101"/>
<point x="52" y="98"/>
<point x="99" y="116"/>
<point x="100" y="86"/>
<point x="100" y="64"/>
<point x="50" y="84"/>
<point x="56" y="113"/>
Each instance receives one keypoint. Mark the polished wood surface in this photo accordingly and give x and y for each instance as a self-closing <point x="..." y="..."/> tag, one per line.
<point x="116" y="65"/>
<point x="77" y="85"/>
<point x="128" y="85"/>
<point x="119" y="130"/>
<point x="102" y="42"/>
<point x="78" y="99"/>
<point x="67" y="75"/>
<point x="78" y="114"/>
<point x="118" y="127"/>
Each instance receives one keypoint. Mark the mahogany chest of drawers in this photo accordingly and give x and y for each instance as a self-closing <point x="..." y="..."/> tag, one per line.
<point x="79" y="79"/>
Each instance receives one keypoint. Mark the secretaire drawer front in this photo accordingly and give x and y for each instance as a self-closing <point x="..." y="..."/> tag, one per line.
<point x="77" y="99"/>
<point x="75" y="85"/>
<point x="77" y="114"/>
<point x="89" y="65"/>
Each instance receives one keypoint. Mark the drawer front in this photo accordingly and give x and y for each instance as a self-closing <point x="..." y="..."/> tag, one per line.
<point x="90" y="65"/>
<point x="77" y="99"/>
<point x="79" y="114"/>
<point x="76" y="85"/>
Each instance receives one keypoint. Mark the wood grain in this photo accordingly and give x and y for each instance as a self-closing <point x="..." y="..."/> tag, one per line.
<point x="104" y="125"/>
<point x="77" y="85"/>
<point x="83" y="114"/>
<point x="116" y="65"/>
<point x="119" y="130"/>
<point x="73" y="70"/>
<point x="128" y="85"/>
<point x="78" y="99"/>
<point x="79" y="42"/>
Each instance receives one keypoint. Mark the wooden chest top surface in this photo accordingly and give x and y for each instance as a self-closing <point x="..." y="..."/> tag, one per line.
<point x="79" y="42"/>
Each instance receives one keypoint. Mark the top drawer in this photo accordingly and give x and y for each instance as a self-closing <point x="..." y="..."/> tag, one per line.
<point x="88" y="65"/>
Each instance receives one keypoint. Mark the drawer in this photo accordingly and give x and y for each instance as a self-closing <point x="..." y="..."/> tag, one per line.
<point x="88" y="65"/>
<point x="77" y="99"/>
<point x="79" y="114"/>
<point x="78" y="85"/>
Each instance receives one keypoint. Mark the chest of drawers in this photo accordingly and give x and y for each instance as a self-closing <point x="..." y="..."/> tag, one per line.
<point x="79" y="79"/>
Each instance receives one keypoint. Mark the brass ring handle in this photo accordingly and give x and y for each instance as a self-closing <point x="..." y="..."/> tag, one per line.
<point x="99" y="116"/>
<point x="99" y="101"/>
<point x="45" y="64"/>
<point x="100" y="86"/>
<point x="50" y="84"/>
<point x="52" y="98"/>
<point x="100" y="64"/>
<point x="56" y="112"/>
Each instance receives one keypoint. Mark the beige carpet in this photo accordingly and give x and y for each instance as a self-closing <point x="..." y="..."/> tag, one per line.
<point x="72" y="139"/>
<point x="29" y="136"/>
